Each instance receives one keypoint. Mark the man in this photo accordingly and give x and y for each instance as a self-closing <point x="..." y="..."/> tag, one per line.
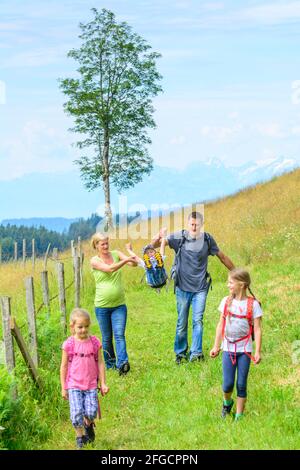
<point x="192" y="248"/>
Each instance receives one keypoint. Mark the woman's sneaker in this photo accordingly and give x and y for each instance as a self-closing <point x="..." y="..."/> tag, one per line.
<point x="124" y="369"/>
<point x="89" y="432"/>
<point x="226" y="409"/>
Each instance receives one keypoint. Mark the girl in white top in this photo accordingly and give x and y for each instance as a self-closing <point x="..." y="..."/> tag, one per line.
<point x="240" y="318"/>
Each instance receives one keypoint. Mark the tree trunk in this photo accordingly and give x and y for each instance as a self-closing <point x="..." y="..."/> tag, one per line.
<point x="106" y="185"/>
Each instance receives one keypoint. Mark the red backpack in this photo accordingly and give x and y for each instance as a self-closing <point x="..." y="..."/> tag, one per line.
<point x="248" y="317"/>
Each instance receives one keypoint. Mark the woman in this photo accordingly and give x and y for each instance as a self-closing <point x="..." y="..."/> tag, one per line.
<point x="110" y="308"/>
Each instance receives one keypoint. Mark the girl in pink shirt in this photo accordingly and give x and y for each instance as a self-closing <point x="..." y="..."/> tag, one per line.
<point x="81" y="368"/>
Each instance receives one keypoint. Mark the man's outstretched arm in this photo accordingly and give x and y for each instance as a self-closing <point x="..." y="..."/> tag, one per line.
<point x="225" y="260"/>
<point x="156" y="240"/>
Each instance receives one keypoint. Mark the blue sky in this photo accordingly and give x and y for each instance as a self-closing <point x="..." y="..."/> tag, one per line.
<point x="231" y="80"/>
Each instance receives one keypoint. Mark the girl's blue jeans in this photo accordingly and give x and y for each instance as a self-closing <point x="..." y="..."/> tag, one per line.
<point x="185" y="300"/>
<point x="241" y="366"/>
<point x="112" y="323"/>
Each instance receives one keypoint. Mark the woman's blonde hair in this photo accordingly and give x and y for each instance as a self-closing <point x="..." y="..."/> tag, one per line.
<point x="79" y="313"/>
<point x="97" y="237"/>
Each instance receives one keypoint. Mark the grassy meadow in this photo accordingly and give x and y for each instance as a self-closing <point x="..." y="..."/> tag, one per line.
<point x="160" y="405"/>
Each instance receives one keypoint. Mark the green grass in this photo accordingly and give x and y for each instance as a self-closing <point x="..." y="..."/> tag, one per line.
<point x="159" y="405"/>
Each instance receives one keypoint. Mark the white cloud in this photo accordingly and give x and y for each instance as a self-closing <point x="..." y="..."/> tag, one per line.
<point x="233" y="115"/>
<point x="272" y="13"/>
<point x="178" y="140"/>
<point x="38" y="57"/>
<point x="222" y="134"/>
<point x="296" y="130"/>
<point x="213" y="6"/>
<point x="272" y="129"/>
<point x="37" y="148"/>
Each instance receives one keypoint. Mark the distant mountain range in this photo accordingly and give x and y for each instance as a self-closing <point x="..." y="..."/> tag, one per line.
<point x="63" y="194"/>
<point x="58" y="224"/>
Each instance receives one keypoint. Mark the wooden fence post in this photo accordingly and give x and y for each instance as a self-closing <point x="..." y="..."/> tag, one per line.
<point x="45" y="289"/>
<point x="46" y="257"/>
<point x="55" y="253"/>
<point x="24" y="252"/>
<point x="79" y="246"/>
<point x="77" y="281"/>
<point x="31" y="319"/>
<point x="62" y="294"/>
<point x="81" y="268"/>
<point x="7" y="336"/>
<point x="33" y="253"/>
<point x="72" y="248"/>
<point x="8" y="340"/>
<point x="25" y="353"/>
<point x="16" y="252"/>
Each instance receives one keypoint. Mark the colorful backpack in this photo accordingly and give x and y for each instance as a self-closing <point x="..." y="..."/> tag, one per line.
<point x="248" y="317"/>
<point x="156" y="275"/>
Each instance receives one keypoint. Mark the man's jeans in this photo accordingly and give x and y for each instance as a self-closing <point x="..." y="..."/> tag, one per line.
<point x="112" y="322"/>
<point x="184" y="301"/>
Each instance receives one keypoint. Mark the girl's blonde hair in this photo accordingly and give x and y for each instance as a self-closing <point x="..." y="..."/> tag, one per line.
<point x="97" y="237"/>
<point x="78" y="313"/>
<point x="241" y="275"/>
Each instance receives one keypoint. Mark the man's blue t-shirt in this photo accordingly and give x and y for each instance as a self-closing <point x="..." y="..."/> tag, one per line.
<point x="191" y="275"/>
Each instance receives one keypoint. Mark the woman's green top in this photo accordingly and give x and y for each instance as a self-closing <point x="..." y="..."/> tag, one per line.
<point x="109" y="288"/>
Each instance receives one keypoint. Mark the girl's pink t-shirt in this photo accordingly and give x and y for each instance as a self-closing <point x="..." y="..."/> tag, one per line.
<point x="83" y="370"/>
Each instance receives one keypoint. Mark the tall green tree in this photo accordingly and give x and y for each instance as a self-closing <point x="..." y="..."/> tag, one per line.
<point x="111" y="103"/>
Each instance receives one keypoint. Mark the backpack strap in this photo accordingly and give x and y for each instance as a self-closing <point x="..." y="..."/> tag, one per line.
<point x="95" y="346"/>
<point x="249" y="315"/>
<point x="70" y="347"/>
<point x="207" y="238"/>
<point x="225" y="314"/>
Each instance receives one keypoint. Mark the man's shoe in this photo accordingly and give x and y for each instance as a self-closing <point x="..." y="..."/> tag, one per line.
<point x="81" y="442"/>
<point x="89" y="432"/>
<point x="179" y="359"/>
<point x="197" y="357"/>
<point x="226" y="409"/>
<point x="124" y="369"/>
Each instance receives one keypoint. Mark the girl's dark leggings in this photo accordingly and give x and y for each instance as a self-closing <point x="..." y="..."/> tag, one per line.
<point x="242" y="366"/>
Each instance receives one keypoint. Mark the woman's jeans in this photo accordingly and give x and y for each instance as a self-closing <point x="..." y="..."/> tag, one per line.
<point x="184" y="300"/>
<point x="242" y="366"/>
<point x="112" y="322"/>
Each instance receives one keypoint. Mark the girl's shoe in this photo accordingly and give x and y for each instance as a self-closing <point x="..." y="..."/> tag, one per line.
<point x="226" y="409"/>
<point x="81" y="442"/>
<point x="89" y="432"/>
<point x="239" y="416"/>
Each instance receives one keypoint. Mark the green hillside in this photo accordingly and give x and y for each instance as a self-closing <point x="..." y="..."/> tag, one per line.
<point x="159" y="405"/>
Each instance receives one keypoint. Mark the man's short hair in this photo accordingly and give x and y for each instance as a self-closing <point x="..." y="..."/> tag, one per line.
<point x="197" y="216"/>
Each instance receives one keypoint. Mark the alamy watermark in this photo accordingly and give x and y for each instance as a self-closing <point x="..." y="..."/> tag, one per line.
<point x="2" y="92"/>
<point x="138" y="222"/>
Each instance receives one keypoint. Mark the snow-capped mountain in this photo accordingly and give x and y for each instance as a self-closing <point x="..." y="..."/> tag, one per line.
<point x="265" y="169"/>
